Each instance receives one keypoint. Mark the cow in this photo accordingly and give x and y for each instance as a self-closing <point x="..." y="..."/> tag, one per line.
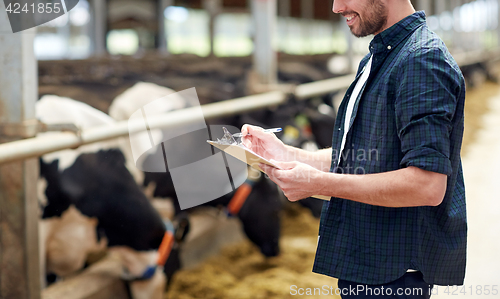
<point x="143" y="93"/>
<point x="256" y="203"/>
<point x="94" y="182"/>
<point x="260" y="212"/>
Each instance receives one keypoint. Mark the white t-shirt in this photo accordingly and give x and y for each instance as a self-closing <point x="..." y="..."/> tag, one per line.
<point x="352" y="100"/>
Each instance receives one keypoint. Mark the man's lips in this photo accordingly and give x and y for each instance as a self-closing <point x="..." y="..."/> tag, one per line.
<point x="350" y="19"/>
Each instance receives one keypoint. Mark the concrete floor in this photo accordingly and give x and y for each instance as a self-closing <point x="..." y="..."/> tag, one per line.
<point x="482" y="178"/>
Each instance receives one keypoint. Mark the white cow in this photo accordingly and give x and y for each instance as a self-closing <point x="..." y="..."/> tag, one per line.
<point x="141" y="94"/>
<point x="136" y="98"/>
<point x="52" y="109"/>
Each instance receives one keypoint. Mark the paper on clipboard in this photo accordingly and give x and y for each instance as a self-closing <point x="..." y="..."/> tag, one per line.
<point x="248" y="156"/>
<point x="243" y="154"/>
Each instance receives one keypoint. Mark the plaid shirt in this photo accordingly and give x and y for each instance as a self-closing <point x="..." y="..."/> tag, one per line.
<point x="409" y="114"/>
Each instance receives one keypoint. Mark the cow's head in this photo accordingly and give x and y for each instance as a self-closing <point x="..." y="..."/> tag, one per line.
<point x="260" y="216"/>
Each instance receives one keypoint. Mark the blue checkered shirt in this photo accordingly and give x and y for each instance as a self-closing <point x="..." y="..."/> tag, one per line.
<point x="410" y="113"/>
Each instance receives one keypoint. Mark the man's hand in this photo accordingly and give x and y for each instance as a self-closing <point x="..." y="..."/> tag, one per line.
<point x="296" y="180"/>
<point x="263" y="143"/>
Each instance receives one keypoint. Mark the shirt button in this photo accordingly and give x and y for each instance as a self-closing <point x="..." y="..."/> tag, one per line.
<point x="389" y="47"/>
<point x="340" y="129"/>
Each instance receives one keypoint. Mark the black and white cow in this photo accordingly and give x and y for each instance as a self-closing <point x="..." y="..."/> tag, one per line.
<point x="94" y="182"/>
<point x="260" y="212"/>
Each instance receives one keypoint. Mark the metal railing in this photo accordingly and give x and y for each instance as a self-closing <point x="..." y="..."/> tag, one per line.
<point x="38" y="146"/>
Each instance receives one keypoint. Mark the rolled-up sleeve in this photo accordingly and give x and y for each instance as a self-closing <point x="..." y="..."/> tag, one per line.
<point x="425" y="106"/>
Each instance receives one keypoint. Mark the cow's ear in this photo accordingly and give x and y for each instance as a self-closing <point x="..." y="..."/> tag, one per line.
<point x="54" y="165"/>
<point x="50" y="168"/>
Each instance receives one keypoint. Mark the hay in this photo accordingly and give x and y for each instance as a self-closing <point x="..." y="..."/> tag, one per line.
<point x="241" y="272"/>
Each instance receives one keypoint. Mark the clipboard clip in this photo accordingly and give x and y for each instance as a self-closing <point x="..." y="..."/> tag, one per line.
<point x="227" y="139"/>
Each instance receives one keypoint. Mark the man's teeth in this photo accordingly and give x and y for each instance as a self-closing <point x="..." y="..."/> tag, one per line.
<point x="349" y="18"/>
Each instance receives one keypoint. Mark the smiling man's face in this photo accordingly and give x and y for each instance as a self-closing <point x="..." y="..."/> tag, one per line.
<point x="364" y="17"/>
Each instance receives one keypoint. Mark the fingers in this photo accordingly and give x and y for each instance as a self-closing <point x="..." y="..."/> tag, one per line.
<point x="247" y="129"/>
<point x="254" y="138"/>
<point x="255" y="132"/>
<point x="265" y="144"/>
<point x="246" y="140"/>
<point x="248" y="137"/>
<point x="270" y="171"/>
<point x="277" y="175"/>
<point x="280" y="177"/>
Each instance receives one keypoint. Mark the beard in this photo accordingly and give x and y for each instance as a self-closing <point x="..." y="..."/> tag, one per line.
<point x="373" y="21"/>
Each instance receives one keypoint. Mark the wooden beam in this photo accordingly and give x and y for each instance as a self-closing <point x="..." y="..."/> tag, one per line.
<point x="213" y="7"/>
<point x="99" y="17"/>
<point x="162" y="34"/>
<point x="264" y="14"/>
<point x="19" y="260"/>
<point x="307" y="9"/>
<point x="284" y="8"/>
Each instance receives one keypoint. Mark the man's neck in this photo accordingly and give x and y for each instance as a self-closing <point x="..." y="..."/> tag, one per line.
<point x="398" y="10"/>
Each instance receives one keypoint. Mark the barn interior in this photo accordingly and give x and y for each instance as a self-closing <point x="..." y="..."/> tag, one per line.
<point x="276" y="63"/>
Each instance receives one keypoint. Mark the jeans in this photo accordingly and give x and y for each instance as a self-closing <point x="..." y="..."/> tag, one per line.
<point x="409" y="286"/>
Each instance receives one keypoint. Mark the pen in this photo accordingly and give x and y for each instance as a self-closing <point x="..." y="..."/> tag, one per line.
<point x="273" y="130"/>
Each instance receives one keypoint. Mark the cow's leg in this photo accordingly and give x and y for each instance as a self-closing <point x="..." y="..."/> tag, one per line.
<point x="45" y="228"/>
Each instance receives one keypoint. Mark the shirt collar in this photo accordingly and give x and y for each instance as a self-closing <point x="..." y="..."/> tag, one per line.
<point x="392" y="36"/>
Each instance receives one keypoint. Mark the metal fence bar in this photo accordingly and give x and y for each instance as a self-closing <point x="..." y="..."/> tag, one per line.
<point x="33" y="147"/>
<point x="19" y="257"/>
<point x="477" y="56"/>
<point x="45" y="144"/>
<point x="322" y="87"/>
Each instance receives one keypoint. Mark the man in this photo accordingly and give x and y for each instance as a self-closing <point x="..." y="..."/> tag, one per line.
<point x="396" y="221"/>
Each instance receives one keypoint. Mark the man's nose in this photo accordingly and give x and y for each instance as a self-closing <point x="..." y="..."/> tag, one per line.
<point x="338" y="6"/>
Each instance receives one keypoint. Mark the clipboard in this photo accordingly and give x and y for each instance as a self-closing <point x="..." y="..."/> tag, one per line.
<point x="244" y="154"/>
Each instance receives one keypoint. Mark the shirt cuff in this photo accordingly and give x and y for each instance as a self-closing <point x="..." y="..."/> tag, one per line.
<point x="427" y="159"/>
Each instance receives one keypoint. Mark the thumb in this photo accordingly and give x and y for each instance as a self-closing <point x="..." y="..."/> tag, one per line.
<point x="284" y="165"/>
